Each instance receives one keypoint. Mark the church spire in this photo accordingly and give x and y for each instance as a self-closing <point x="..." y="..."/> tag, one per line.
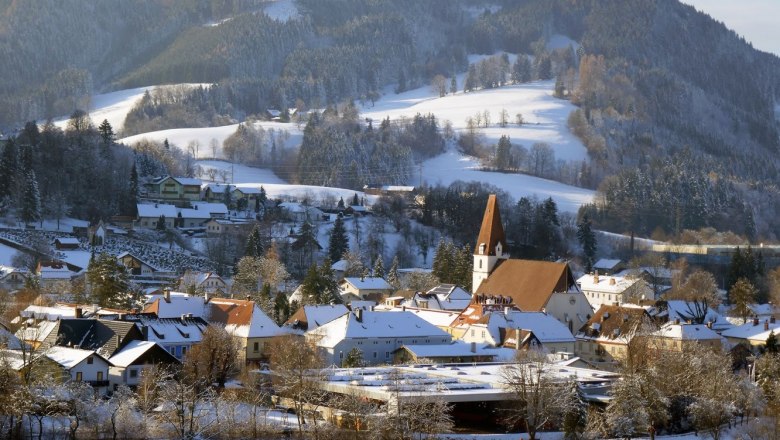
<point x="492" y="231"/>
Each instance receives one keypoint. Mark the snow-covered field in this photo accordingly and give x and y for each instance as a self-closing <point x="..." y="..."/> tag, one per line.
<point x="238" y="173"/>
<point x="282" y="10"/>
<point x="452" y="165"/>
<point x="545" y="117"/>
<point x="181" y="137"/>
<point x="115" y="106"/>
<point x="6" y="255"/>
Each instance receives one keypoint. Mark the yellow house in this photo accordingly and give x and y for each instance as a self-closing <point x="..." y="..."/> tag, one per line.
<point x="677" y="336"/>
<point x="175" y="188"/>
<point x="603" y="340"/>
<point x="754" y="333"/>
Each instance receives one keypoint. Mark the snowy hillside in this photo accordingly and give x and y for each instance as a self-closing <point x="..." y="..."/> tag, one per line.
<point x="545" y="117"/>
<point x="115" y="106"/>
<point x="181" y="137"/>
<point x="452" y="166"/>
<point x="237" y="173"/>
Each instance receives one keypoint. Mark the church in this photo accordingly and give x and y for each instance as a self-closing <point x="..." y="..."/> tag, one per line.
<point x="502" y="283"/>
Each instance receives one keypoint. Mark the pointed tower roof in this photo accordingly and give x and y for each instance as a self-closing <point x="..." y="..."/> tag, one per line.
<point x="492" y="231"/>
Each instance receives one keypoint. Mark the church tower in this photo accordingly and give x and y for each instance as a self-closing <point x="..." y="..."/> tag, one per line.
<point x="490" y="244"/>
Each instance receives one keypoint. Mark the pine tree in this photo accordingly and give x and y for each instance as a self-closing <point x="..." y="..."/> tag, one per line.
<point x="254" y="244"/>
<point x="328" y="284"/>
<point x="355" y="200"/>
<point x="392" y="275"/>
<point x="106" y="137"/>
<point x="453" y="85"/>
<point x="379" y="267"/>
<point x="161" y="223"/>
<point x="341" y="203"/>
<point x="281" y="308"/>
<point x="108" y="282"/>
<point x="31" y="202"/>
<point x="8" y="169"/>
<point x="306" y="242"/>
<point x="771" y="343"/>
<point x="503" y="147"/>
<point x="132" y="193"/>
<point x="587" y="240"/>
<point x="339" y="242"/>
<point x="261" y="199"/>
<point x="227" y="197"/>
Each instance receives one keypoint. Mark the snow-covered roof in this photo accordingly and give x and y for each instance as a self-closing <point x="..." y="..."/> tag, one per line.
<point x="247" y="190"/>
<point x="375" y="325"/>
<point x="313" y="316"/>
<point x="340" y="265"/>
<point x="372" y="283"/>
<point x="453" y="349"/>
<point x="439" y="318"/>
<point x="215" y="187"/>
<point x="242" y="318"/>
<point x="9" y="340"/>
<point x="156" y="210"/>
<point x="189" y="181"/>
<point x="176" y="307"/>
<point x="606" y="283"/>
<point x="687" y="332"/>
<point x="753" y="331"/>
<point x="686" y="310"/>
<point x="70" y="357"/>
<point x="545" y="327"/>
<point x="173" y="330"/>
<point x="606" y="263"/>
<point x="67" y="240"/>
<point x="441" y="297"/>
<point x="211" y="208"/>
<point x="132" y="351"/>
<point x="189" y="213"/>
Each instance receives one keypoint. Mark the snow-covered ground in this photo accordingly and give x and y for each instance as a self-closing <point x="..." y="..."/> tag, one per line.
<point x="299" y="192"/>
<point x="238" y="173"/>
<point x="7" y="254"/>
<point x="545" y="116"/>
<point x="452" y="165"/>
<point x="181" y="137"/>
<point x="115" y="106"/>
<point x="282" y="10"/>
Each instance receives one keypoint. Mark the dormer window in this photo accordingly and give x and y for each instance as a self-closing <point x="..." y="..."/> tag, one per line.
<point x="498" y="249"/>
<point x="482" y="249"/>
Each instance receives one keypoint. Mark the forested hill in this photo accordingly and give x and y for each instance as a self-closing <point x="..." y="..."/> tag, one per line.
<point x="54" y="53"/>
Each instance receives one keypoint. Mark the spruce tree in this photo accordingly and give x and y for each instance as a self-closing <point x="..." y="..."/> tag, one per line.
<point x="339" y="242"/>
<point x="355" y="200"/>
<point x="392" y="275"/>
<point x="328" y="284"/>
<point x="108" y="282"/>
<point x="106" y="137"/>
<point x="587" y="240"/>
<point x="161" y="223"/>
<point x="503" y="148"/>
<point x="254" y="244"/>
<point x="261" y="199"/>
<point x="132" y="193"/>
<point x="227" y="197"/>
<point x="379" y="267"/>
<point x="8" y="169"/>
<point x="31" y="202"/>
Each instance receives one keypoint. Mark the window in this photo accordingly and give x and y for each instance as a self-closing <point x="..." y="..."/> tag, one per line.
<point x="341" y="355"/>
<point x="483" y="333"/>
<point x="256" y="347"/>
<point x="387" y="355"/>
<point x="183" y="351"/>
<point x="90" y="360"/>
<point x="472" y="332"/>
<point x="78" y="376"/>
<point x="133" y="373"/>
<point x="100" y="375"/>
<point x="374" y="355"/>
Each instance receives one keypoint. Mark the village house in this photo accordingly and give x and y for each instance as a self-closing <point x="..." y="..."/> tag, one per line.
<point x="364" y="288"/>
<point x="52" y="272"/>
<point x="209" y="283"/>
<point x="149" y="215"/>
<point x="300" y="213"/>
<point x="128" y="364"/>
<point x="249" y="326"/>
<point x="66" y="243"/>
<point x="681" y="336"/>
<point x="216" y="227"/>
<point x="690" y="312"/>
<point x="440" y="318"/>
<point x="611" y="290"/>
<point x="603" y="341"/>
<point x="442" y="297"/>
<point x="376" y="334"/>
<point x="311" y="317"/>
<point x="753" y="333"/>
<point x="176" y="335"/>
<point x="520" y="331"/>
<point x="455" y="352"/>
<point x="174" y="188"/>
<point x="608" y="266"/>
<point x="82" y="366"/>
<point x="12" y="278"/>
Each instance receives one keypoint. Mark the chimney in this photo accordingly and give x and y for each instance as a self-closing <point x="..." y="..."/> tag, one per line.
<point x="249" y="298"/>
<point x="117" y="341"/>
<point x="167" y="294"/>
<point x="612" y="282"/>
<point x="755" y="321"/>
<point x="676" y="321"/>
<point x="772" y="320"/>
<point x="473" y="347"/>
<point x="183" y="316"/>
<point x="79" y="312"/>
<point x="766" y="325"/>
<point x="507" y="311"/>
<point x="403" y="308"/>
<point x="359" y="315"/>
<point x="596" y="277"/>
<point x="145" y="332"/>
<point x="709" y="325"/>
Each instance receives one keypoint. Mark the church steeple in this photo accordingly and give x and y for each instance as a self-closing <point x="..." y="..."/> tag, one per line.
<point x="490" y="243"/>
<point x="491" y="234"/>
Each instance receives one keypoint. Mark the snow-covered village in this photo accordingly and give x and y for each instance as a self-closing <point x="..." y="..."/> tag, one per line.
<point x="389" y="219"/>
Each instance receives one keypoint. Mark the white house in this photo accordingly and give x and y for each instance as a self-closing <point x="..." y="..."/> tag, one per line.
<point x="364" y="288"/>
<point x="248" y="325"/>
<point x="311" y="317"/>
<point x="128" y="364"/>
<point x="12" y="278"/>
<point x="521" y="331"/>
<point x="611" y="290"/>
<point x="442" y="297"/>
<point x="82" y="365"/>
<point x="376" y="334"/>
<point x="754" y="333"/>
